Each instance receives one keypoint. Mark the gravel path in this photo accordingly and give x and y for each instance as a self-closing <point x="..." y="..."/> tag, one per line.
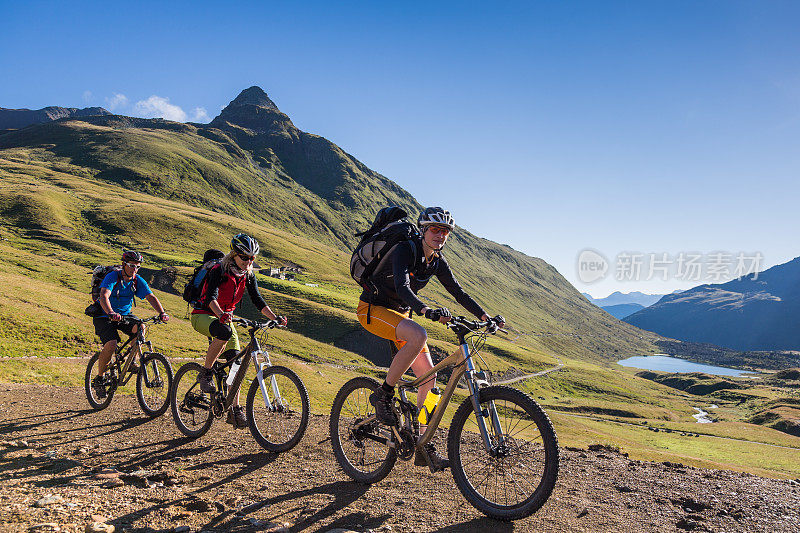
<point x="64" y="467"/>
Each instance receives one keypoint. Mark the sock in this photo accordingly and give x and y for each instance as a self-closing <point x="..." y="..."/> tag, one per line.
<point x="388" y="389"/>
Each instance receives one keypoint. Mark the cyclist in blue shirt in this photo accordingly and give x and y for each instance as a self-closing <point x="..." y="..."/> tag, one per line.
<point x="117" y="291"/>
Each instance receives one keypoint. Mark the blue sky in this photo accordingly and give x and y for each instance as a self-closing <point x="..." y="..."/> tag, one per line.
<point x="641" y="127"/>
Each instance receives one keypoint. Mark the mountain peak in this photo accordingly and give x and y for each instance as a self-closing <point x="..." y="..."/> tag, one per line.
<point x="254" y="95"/>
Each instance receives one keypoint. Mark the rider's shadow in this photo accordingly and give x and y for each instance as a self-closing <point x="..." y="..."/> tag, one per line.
<point x="344" y="493"/>
<point x="477" y="525"/>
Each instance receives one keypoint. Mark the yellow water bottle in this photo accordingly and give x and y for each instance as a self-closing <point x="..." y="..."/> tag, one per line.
<point x="431" y="401"/>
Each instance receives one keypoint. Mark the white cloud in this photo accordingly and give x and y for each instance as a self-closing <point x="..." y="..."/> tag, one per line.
<point x="159" y="107"/>
<point x="87" y="96"/>
<point x="117" y="101"/>
<point x="199" y="114"/>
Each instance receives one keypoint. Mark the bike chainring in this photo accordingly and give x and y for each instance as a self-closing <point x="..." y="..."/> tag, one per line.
<point x="405" y="449"/>
<point x="218" y="405"/>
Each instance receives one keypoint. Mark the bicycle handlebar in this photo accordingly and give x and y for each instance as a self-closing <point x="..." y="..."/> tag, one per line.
<point x="255" y="324"/>
<point x="473" y="325"/>
<point x="153" y="319"/>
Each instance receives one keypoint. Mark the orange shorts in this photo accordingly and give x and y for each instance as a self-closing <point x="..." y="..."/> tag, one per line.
<point x="383" y="323"/>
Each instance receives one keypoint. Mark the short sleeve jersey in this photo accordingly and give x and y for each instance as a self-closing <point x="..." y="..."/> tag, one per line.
<point x="121" y="297"/>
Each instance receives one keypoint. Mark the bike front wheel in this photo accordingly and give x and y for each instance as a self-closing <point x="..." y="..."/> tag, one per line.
<point x="360" y="443"/>
<point x="191" y="407"/>
<point x="278" y="415"/>
<point x="153" y="383"/>
<point x="95" y="400"/>
<point x="516" y="477"/>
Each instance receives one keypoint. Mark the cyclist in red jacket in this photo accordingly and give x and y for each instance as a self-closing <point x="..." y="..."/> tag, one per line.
<point x="225" y="286"/>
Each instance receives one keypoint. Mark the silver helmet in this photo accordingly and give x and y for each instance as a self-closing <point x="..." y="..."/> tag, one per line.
<point x="436" y="216"/>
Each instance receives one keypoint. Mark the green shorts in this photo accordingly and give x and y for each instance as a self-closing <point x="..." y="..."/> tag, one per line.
<point x="201" y="323"/>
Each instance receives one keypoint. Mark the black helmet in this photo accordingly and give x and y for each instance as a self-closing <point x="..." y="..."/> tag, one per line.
<point x="245" y="245"/>
<point x="131" y="256"/>
<point x="435" y="216"/>
<point x="212" y="254"/>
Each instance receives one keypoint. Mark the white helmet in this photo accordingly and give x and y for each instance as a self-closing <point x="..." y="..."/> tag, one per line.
<point x="436" y="216"/>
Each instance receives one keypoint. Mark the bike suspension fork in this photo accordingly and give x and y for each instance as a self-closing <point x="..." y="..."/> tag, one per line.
<point x="481" y="414"/>
<point x="260" y="377"/>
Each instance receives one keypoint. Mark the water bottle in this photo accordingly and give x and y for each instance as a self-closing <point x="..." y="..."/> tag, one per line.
<point x="232" y="375"/>
<point x="431" y="401"/>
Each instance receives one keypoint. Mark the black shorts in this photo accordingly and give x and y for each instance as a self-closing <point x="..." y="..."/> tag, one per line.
<point x="107" y="329"/>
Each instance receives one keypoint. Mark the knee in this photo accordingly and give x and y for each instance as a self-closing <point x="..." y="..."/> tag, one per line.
<point x="220" y="331"/>
<point x="417" y="335"/>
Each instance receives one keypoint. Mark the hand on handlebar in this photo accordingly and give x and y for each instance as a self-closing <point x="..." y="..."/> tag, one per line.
<point x="116" y="317"/>
<point x="225" y="318"/>
<point x="163" y="317"/>
<point x="282" y="321"/>
<point x="442" y="315"/>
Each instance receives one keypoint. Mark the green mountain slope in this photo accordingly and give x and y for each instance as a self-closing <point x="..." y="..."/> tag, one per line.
<point x="252" y="163"/>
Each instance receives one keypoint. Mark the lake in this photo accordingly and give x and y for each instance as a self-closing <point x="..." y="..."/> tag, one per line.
<point x="676" y="365"/>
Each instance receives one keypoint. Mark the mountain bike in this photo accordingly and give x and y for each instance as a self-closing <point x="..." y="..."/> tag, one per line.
<point x="277" y="402"/>
<point x="502" y="448"/>
<point x="153" y="374"/>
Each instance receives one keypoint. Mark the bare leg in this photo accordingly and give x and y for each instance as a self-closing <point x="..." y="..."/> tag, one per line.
<point x="214" y="349"/>
<point x="420" y="366"/>
<point x="105" y="356"/>
<point x="415" y="338"/>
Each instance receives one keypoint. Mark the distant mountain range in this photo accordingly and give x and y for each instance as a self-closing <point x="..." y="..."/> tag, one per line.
<point x="620" y="304"/>
<point x="619" y="298"/>
<point x="745" y="314"/>
<point x="13" y="119"/>
<point x="620" y="311"/>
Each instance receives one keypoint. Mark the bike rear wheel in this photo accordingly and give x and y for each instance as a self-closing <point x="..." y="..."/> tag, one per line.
<point x="97" y="403"/>
<point x="191" y="407"/>
<point x="153" y="383"/>
<point x="517" y="477"/>
<point x="278" y="423"/>
<point x="358" y="453"/>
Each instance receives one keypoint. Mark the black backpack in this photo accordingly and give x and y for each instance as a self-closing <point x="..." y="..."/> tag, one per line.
<point x="389" y="229"/>
<point x="194" y="288"/>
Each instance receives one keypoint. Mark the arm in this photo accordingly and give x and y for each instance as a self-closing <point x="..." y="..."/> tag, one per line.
<point x="105" y="303"/>
<point x="258" y="300"/>
<point x="157" y="306"/>
<point x="445" y="276"/>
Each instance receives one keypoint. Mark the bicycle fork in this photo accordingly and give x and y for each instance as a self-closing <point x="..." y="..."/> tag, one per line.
<point x="474" y="382"/>
<point x="263" y="385"/>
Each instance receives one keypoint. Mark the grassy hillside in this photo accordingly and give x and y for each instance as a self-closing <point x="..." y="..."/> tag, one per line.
<point x="207" y="168"/>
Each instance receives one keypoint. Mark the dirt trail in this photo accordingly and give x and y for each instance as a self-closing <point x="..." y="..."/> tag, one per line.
<point x="61" y="475"/>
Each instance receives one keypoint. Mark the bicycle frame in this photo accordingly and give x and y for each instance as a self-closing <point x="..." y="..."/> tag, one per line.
<point x="124" y="361"/>
<point x="462" y="364"/>
<point x="254" y="349"/>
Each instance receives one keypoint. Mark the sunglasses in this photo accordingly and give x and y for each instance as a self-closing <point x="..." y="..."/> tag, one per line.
<point x="247" y="257"/>
<point x="439" y="230"/>
<point x="132" y="265"/>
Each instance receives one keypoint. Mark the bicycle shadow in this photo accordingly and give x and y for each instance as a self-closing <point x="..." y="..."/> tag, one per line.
<point x="248" y="463"/>
<point x="11" y="425"/>
<point x="170" y="450"/>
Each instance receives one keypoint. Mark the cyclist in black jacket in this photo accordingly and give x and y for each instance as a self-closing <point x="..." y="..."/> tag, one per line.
<point x="387" y="313"/>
